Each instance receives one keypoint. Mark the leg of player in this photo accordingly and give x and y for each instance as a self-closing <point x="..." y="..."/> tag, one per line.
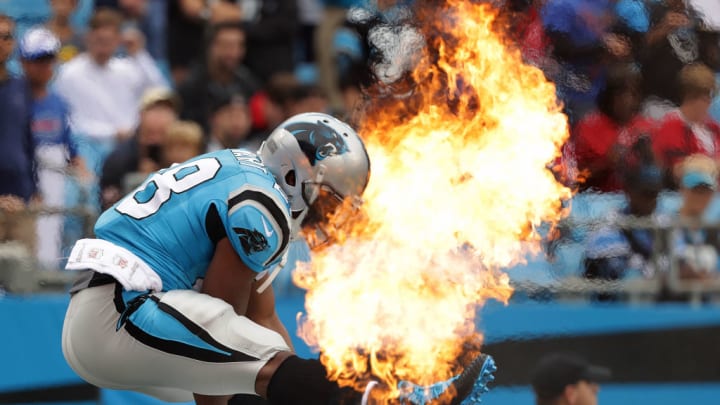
<point x="290" y="380"/>
<point x="215" y="352"/>
<point x="266" y="373"/>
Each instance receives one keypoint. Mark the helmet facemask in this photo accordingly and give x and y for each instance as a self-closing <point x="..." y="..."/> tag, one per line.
<point x="317" y="161"/>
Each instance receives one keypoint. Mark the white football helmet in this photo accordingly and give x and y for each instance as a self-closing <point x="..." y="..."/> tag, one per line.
<point x="312" y="154"/>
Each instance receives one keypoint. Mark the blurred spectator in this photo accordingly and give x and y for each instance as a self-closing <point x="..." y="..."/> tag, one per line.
<point x="634" y="13"/>
<point x="17" y="147"/>
<point x="527" y="29"/>
<point x="695" y="248"/>
<point x="673" y="40"/>
<point x="222" y="72"/>
<point x="155" y="28"/>
<point x="61" y="26"/>
<point x="602" y="137"/>
<point x="283" y="97"/>
<point x="334" y="16"/>
<point x="103" y="91"/>
<point x="710" y="55"/>
<point x="580" y="33"/>
<point x="307" y="98"/>
<point x="267" y="107"/>
<point x="689" y="129"/>
<point x="566" y="379"/>
<point x="50" y="128"/>
<point x="148" y="17"/>
<point x="183" y="141"/>
<point x="142" y="153"/>
<point x="17" y="163"/>
<point x="709" y="43"/>
<point x="310" y="14"/>
<point x="132" y="7"/>
<point x="614" y="252"/>
<point x="715" y="106"/>
<point x="230" y="124"/>
<point x="351" y="88"/>
<point x="271" y="27"/>
<point x="187" y="23"/>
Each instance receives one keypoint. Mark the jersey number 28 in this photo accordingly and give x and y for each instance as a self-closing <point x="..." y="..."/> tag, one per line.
<point x="158" y="189"/>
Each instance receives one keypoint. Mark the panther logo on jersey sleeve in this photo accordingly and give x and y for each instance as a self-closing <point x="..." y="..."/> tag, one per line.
<point x="259" y="218"/>
<point x="318" y="141"/>
<point x="251" y="240"/>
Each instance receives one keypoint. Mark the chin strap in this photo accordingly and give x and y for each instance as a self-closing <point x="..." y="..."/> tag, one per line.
<point x="316" y="184"/>
<point x="273" y="273"/>
<point x="366" y="394"/>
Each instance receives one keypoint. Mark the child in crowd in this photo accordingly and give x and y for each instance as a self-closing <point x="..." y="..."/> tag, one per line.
<point x="71" y="40"/>
<point x="183" y="141"/>
<point x="689" y="129"/>
<point x="695" y="248"/>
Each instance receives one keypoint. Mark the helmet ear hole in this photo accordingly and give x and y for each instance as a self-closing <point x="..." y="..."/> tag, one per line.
<point x="290" y="178"/>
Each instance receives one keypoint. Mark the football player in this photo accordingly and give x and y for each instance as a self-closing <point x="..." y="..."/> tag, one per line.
<point x="139" y="319"/>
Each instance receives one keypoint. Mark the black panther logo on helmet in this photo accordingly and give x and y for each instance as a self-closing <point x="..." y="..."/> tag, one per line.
<point x="317" y="140"/>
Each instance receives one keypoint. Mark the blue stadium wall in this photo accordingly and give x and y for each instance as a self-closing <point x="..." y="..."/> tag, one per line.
<point x="660" y="354"/>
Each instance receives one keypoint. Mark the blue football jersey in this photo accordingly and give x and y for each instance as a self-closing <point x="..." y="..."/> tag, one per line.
<point x="174" y="219"/>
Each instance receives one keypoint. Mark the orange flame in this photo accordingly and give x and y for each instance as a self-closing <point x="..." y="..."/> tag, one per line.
<point x="459" y="182"/>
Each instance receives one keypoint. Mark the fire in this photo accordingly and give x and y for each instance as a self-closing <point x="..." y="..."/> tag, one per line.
<point x="459" y="182"/>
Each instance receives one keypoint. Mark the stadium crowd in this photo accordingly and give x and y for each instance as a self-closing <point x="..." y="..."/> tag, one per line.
<point x="90" y="106"/>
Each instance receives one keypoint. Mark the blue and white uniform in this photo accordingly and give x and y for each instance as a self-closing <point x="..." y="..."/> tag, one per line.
<point x="157" y="243"/>
<point x="54" y="147"/>
<point x="173" y="220"/>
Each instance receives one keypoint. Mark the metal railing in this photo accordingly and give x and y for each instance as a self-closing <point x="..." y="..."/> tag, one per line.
<point x="20" y="269"/>
<point x="20" y="272"/>
<point x="667" y="280"/>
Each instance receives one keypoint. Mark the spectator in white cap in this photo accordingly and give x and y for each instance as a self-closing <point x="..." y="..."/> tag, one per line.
<point x="695" y="248"/>
<point x="39" y="48"/>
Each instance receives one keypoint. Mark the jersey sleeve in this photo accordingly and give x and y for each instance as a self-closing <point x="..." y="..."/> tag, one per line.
<point x="258" y="225"/>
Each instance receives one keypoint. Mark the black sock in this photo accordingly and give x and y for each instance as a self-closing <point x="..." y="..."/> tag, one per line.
<point x="303" y="381"/>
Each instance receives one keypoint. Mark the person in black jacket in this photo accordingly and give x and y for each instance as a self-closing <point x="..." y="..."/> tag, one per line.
<point x="18" y="177"/>
<point x="271" y="34"/>
<point x="141" y="153"/>
<point x="221" y="72"/>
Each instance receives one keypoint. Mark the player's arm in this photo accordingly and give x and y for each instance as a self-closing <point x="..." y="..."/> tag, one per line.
<point x="257" y="227"/>
<point x="228" y="278"/>
<point x="261" y="310"/>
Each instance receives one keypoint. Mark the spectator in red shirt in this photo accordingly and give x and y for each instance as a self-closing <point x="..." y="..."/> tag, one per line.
<point x="689" y="129"/>
<point x="602" y="137"/>
<point x="528" y="31"/>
